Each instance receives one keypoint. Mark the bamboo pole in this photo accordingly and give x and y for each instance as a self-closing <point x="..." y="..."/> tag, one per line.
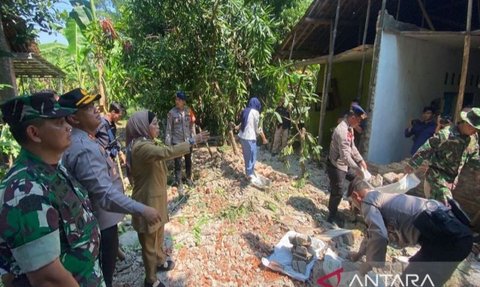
<point x="333" y="35"/>
<point x="425" y="15"/>
<point x="364" y="40"/>
<point x="466" y="58"/>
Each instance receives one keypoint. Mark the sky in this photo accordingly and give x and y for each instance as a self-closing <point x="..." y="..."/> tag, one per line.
<point x="44" y="37"/>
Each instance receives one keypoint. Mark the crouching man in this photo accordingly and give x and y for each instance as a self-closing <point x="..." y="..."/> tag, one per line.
<point x="405" y="220"/>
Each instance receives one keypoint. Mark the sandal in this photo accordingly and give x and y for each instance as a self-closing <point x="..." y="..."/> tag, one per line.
<point x="167" y="266"/>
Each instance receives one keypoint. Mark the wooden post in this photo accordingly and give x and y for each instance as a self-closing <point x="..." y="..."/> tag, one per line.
<point x="373" y="79"/>
<point x="7" y="74"/>
<point x="398" y="10"/>
<point x="425" y="15"/>
<point x="293" y="45"/>
<point x="364" y="40"/>
<point x="333" y="35"/>
<point x="323" y="102"/>
<point x="466" y="58"/>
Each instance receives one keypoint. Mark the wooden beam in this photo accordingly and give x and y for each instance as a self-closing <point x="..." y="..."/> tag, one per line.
<point x="333" y="36"/>
<point x="364" y="40"/>
<point x="373" y="79"/>
<point x="326" y="21"/>
<point x="466" y="58"/>
<point x="425" y="15"/>
<point x="307" y="34"/>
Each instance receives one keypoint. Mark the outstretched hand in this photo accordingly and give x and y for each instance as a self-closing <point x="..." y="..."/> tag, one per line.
<point x="202" y="137"/>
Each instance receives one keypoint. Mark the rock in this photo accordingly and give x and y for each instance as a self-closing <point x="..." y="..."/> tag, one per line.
<point x="392" y="177"/>
<point x="129" y="238"/>
<point x="376" y="180"/>
<point x="338" y="237"/>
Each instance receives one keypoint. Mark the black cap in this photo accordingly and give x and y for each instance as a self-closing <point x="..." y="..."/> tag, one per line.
<point x="77" y="98"/>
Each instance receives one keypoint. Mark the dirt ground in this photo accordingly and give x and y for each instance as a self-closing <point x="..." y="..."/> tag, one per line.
<point x="220" y="231"/>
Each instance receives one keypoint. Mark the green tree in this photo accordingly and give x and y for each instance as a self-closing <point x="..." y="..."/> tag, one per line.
<point x="20" y="16"/>
<point x="212" y="49"/>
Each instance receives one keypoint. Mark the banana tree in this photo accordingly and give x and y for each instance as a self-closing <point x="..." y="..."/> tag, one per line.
<point x="100" y="36"/>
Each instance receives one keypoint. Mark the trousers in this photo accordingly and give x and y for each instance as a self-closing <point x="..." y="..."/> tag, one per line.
<point x="153" y="254"/>
<point x="108" y="253"/>
<point x="249" y="149"/>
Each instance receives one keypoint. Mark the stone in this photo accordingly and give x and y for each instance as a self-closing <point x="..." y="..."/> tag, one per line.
<point x="392" y="177"/>
<point x="129" y="238"/>
<point x="376" y="180"/>
<point x="338" y="237"/>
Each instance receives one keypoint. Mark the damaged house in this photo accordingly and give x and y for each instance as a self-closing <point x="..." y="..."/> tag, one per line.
<point x="395" y="56"/>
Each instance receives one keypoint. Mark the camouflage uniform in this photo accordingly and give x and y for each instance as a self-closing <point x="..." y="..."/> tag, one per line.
<point x="44" y="214"/>
<point x="43" y="207"/>
<point x="447" y="152"/>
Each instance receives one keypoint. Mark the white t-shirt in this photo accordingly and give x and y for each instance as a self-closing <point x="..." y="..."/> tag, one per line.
<point x="252" y="129"/>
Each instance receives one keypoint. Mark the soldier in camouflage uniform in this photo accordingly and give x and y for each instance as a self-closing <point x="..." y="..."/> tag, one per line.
<point x="447" y="152"/>
<point x="48" y="234"/>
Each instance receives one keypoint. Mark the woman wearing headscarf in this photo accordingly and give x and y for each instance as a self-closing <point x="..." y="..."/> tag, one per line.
<point x="249" y="130"/>
<point x="147" y="172"/>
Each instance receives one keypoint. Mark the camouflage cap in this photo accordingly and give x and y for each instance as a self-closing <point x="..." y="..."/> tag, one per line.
<point x="77" y="98"/>
<point x="41" y="106"/>
<point x="472" y="117"/>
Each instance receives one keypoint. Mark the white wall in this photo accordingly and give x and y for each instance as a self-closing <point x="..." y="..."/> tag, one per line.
<point x="411" y="73"/>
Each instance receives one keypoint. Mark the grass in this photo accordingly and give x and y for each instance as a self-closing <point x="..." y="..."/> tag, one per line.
<point x="300" y="183"/>
<point x="197" y="229"/>
<point x="270" y="206"/>
<point x="233" y="212"/>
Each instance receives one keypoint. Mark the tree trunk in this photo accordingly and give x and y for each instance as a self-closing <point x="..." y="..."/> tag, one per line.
<point x="7" y="74"/>
<point x="303" y="168"/>
<point x="103" y="99"/>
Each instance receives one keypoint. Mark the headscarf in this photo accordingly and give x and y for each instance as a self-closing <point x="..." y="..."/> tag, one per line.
<point x="253" y="103"/>
<point x="138" y="126"/>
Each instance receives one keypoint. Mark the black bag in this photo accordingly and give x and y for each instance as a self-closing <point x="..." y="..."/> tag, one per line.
<point x="440" y="226"/>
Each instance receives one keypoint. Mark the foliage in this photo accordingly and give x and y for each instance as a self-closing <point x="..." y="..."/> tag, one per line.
<point x="215" y="56"/>
<point x="40" y="12"/>
<point x="8" y="145"/>
<point x="197" y="229"/>
<point x="234" y="212"/>
<point x="297" y="89"/>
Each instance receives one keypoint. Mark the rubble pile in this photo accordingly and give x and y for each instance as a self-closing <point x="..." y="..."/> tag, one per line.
<point x="221" y="230"/>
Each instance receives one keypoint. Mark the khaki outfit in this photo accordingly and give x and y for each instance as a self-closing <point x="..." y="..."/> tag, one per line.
<point x="149" y="174"/>
<point x="280" y="139"/>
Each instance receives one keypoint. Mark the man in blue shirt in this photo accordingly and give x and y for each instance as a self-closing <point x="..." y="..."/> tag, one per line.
<point x="421" y="129"/>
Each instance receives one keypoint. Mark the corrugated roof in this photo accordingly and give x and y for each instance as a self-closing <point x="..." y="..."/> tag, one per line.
<point x="34" y="66"/>
<point x="310" y="36"/>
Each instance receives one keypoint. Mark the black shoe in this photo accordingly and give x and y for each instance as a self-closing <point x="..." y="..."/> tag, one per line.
<point x="167" y="266"/>
<point x="156" y="284"/>
<point x="336" y="221"/>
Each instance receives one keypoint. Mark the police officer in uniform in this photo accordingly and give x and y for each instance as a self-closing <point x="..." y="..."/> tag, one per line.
<point x="180" y="128"/>
<point x="344" y="160"/>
